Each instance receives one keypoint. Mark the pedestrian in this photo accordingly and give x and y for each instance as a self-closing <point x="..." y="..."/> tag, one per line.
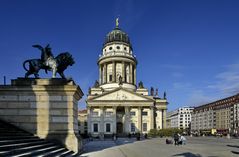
<point x="183" y="139"/>
<point x="129" y="135"/>
<point x="145" y="135"/>
<point x="113" y="137"/>
<point x="176" y="138"/>
<point x="169" y="141"/>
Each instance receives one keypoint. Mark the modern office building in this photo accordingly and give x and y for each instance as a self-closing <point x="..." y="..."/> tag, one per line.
<point x="180" y="118"/>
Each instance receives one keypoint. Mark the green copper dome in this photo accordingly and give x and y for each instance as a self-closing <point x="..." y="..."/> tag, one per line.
<point x="117" y="35"/>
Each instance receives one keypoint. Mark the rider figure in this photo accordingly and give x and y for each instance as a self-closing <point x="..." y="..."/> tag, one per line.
<point x="46" y="54"/>
<point x="47" y="57"/>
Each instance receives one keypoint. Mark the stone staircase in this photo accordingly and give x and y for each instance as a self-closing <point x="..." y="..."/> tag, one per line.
<point x="18" y="143"/>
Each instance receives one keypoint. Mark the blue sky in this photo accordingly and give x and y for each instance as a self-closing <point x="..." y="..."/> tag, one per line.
<point x="190" y="49"/>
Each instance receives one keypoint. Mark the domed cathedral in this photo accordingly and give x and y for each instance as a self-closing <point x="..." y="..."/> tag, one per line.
<point x="117" y="65"/>
<point x="115" y="104"/>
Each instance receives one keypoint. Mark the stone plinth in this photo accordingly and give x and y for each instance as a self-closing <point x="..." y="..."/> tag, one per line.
<point x="45" y="107"/>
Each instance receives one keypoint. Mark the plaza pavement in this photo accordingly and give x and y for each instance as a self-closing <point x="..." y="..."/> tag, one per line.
<point x="156" y="147"/>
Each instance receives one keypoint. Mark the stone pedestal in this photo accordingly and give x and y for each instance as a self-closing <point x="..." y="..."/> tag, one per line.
<point x="45" y="107"/>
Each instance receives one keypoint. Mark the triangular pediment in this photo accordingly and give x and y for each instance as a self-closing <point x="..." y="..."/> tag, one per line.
<point x="121" y="94"/>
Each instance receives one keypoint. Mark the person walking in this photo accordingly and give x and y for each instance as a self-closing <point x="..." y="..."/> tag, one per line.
<point x="176" y="138"/>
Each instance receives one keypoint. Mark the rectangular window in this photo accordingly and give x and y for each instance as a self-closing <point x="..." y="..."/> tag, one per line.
<point x="108" y="113"/>
<point x="144" y="113"/>
<point x="95" y="114"/>
<point x="144" y="126"/>
<point x="107" y="127"/>
<point x="110" y="78"/>
<point x="95" y="127"/>
<point x="132" y="113"/>
<point x="132" y="127"/>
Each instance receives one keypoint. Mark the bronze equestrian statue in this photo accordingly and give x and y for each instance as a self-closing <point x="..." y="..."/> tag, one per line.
<point x="48" y="63"/>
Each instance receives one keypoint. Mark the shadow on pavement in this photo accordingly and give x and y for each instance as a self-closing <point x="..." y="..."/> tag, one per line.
<point x="234" y="152"/>
<point x="235" y="146"/>
<point x="188" y="154"/>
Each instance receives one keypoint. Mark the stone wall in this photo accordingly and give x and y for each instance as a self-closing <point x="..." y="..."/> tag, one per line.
<point x="45" y="107"/>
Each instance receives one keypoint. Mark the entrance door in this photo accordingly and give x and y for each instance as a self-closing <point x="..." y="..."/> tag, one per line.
<point x="119" y="127"/>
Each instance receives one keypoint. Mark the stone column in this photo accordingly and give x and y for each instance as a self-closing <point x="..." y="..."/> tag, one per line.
<point x="127" y="120"/>
<point x="135" y="74"/>
<point x="114" y="119"/>
<point x="123" y="72"/>
<point x="140" y="119"/>
<point x="89" y="119"/>
<point x="113" y="71"/>
<point x="101" y="130"/>
<point x="100" y="77"/>
<point x="151" y="117"/>
<point x="164" y="119"/>
<point x="105" y="73"/>
<point x="106" y="79"/>
<point x="130" y="73"/>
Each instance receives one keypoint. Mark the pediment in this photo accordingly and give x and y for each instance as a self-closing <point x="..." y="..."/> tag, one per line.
<point x="121" y="95"/>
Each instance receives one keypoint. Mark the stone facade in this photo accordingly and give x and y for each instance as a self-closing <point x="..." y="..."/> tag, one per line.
<point x="45" y="107"/>
<point x="222" y="115"/>
<point x="115" y="104"/>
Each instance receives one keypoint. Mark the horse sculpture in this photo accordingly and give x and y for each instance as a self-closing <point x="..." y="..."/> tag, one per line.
<point x="56" y="65"/>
